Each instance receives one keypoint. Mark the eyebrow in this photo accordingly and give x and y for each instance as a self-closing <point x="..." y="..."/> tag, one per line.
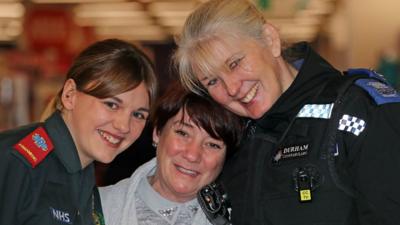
<point x="233" y="56"/>
<point x="180" y="122"/>
<point x="144" y="109"/>
<point x="117" y="99"/>
<point x="204" y="78"/>
<point x="120" y="101"/>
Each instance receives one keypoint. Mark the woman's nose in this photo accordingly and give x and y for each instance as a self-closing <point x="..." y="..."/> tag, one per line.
<point x="122" y="123"/>
<point x="193" y="152"/>
<point x="232" y="86"/>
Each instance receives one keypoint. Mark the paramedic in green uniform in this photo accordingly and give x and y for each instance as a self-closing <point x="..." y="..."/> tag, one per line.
<point x="46" y="169"/>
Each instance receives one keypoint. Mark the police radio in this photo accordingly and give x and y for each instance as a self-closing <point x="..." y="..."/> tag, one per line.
<point x="214" y="202"/>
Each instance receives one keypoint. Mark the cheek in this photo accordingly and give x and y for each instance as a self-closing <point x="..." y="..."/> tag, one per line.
<point x="97" y="116"/>
<point x="215" y="164"/>
<point x="167" y="149"/>
<point x="137" y="129"/>
<point x="219" y="95"/>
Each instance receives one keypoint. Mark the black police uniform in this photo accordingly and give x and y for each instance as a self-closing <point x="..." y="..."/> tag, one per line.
<point x="40" y="189"/>
<point x="286" y="173"/>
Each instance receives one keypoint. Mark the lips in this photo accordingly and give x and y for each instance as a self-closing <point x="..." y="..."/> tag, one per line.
<point x="185" y="171"/>
<point x="114" y="140"/>
<point x="251" y="94"/>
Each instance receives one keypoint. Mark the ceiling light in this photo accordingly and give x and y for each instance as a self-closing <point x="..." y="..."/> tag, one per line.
<point x="118" y="21"/>
<point x="72" y="1"/>
<point x="11" y="10"/>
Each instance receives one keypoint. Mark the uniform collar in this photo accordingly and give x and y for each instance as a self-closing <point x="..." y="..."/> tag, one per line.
<point x="64" y="146"/>
<point x="313" y="73"/>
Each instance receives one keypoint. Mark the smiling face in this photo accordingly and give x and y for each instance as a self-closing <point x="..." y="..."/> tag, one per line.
<point x="243" y="74"/>
<point x="103" y="128"/>
<point x="247" y="82"/>
<point x="188" y="158"/>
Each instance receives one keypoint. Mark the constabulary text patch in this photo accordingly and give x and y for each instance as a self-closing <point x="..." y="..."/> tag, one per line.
<point x="35" y="146"/>
<point x="291" y="152"/>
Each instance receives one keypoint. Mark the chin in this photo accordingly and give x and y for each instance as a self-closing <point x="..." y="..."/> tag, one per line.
<point x="106" y="160"/>
<point x="255" y="116"/>
<point x="184" y="191"/>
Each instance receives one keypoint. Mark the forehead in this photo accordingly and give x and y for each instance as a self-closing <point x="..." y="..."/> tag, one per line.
<point x="181" y="118"/>
<point x="212" y="55"/>
<point x="137" y="97"/>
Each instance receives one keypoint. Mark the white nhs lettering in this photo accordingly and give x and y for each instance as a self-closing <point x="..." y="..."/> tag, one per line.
<point x="60" y="215"/>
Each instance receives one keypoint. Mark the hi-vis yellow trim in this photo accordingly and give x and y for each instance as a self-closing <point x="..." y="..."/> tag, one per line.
<point x="305" y="195"/>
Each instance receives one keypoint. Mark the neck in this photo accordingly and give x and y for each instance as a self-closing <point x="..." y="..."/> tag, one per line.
<point x="288" y="74"/>
<point x="165" y="192"/>
<point x="85" y="160"/>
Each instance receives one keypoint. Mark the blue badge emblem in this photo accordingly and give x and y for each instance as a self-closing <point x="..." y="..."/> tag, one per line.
<point x="39" y="142"/>
<point x="382" y="93"/>
<point x="383" y="89"/>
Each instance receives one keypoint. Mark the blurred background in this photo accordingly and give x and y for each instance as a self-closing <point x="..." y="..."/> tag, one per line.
<point x="40" y="38"/>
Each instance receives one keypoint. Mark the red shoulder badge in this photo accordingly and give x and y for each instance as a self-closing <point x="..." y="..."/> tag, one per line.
<point x="35" y="146"/>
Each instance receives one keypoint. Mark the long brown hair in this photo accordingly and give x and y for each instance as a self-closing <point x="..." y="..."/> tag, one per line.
<point x="108" y="68"/>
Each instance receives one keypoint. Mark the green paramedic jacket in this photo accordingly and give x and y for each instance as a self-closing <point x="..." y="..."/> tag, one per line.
<point x="41" y="179"/>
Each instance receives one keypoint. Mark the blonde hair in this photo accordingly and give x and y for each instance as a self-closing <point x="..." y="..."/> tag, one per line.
<point x="213" y="21"/>
<point x="108" y="68"/>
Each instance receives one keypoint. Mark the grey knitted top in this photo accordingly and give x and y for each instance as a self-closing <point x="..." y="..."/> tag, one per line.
<point x="133" y="201"/>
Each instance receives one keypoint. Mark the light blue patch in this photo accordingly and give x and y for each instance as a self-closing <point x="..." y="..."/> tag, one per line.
<point x="321" y="111"/>
<point x="382" y="93"/>
<point x="40" y="142"/>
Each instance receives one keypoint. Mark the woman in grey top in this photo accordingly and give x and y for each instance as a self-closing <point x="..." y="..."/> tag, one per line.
<point x="192" y="135"/>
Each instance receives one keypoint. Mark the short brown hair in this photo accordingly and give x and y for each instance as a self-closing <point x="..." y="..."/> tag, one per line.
<point x="207" y="114"/>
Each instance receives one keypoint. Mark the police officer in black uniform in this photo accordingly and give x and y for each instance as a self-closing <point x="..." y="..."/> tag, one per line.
<point x="322" y="147"/>
<point x="46" y="169"/>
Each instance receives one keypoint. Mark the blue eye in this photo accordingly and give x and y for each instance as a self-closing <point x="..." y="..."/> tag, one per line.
<point x="212" y="82"/>
<point x="140" y="115"/>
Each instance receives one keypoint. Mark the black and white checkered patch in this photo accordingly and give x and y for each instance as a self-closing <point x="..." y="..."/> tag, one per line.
<point x="351" y="124"/>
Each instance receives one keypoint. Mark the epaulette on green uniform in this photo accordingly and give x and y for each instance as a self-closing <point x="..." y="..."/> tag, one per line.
<point x="34" y="147"/>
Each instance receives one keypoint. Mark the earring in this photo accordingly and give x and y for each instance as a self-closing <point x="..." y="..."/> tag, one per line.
<point x="154" y="144"/>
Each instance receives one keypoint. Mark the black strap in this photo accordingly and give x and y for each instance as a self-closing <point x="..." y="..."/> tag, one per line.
<point x="338" y="87"/>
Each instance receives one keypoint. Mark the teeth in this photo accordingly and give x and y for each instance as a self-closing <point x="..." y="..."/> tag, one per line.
<point x="110" y="138"/>
<point x="186" y="171"/>
<point x="251" y="94"/>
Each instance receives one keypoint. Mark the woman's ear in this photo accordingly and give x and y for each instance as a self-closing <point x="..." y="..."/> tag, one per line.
<point x="272" y="39"/>
<point x="68" y="96"/>
<point x="156" y="136"/>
